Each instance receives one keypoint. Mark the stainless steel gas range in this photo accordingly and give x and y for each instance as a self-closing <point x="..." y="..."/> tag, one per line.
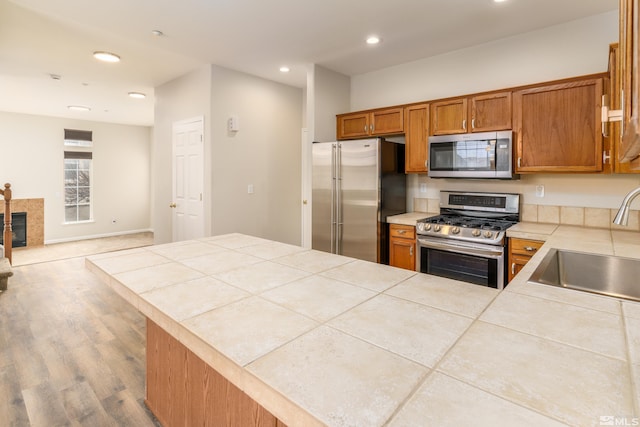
<point x="467" y="241"/>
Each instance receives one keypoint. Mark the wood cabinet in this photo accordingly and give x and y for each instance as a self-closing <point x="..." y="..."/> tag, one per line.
<point x="416" y="138"/>
<point x="558" y="127"/>
<point x="490" y="112"/>
<point x="520" y="252"/>
<point x="480" y="113"/>
<point x="402" y="246"/>
<point x="629" y="149"/>
<point x="388" y="121"/>
<point x="183" y="390"/>
<point x="449" y="117"/>
<point x="612" y="130"/>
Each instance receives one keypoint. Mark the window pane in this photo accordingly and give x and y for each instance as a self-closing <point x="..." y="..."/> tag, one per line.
<point x="70" y="196"/>
<point x="84" y="213"/>
<point x="70" y="178"/>
<point x="70" y="213"/>
<point x="70" y="164"/>
<point x="84" y="163"/>
<point x="84" y="195"/>
<point x="84" y="177"/>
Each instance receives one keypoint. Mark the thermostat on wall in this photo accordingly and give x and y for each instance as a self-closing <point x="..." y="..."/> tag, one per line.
<point x="232" y="124"/>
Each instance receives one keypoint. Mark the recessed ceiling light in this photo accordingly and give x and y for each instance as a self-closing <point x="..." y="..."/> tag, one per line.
<point x="78" y="108"/>
<point x="284" y="69"/>
<point x="137" y="95"/>
<point x="55" y="76"/>
<point x="499" y="1"/>
<point x="373" y="40"/>
<point x="106" y="56"/>
<point x="157" y="33"/>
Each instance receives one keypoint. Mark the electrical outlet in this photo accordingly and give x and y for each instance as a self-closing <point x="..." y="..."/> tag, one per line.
<point x="539" y="190"/>
<point x="250" y="189"/>
<point x="423" y="187"/>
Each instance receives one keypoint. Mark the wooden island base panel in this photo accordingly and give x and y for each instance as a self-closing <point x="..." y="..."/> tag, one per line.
<point x="182" y="390"/>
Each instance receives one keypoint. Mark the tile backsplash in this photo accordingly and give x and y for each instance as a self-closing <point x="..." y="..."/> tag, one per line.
<point x="565" y="215"/>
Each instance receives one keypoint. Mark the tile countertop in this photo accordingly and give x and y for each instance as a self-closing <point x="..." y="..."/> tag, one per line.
<point x="321" y="339"/>
<point x="409" y="218"/>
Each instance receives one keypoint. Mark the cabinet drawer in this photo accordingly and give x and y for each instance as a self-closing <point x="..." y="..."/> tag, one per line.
<point x="525" y="247"/>
<point x="402" y="231"/>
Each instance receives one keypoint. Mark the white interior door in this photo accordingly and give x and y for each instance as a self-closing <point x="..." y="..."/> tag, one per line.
<point x="188" y="179"/>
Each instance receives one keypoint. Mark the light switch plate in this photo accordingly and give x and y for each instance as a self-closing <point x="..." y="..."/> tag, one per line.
<point x="423" y="187"/>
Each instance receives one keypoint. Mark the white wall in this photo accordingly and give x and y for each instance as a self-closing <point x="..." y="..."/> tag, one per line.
<point x="31" y="159"/>
<point x="330" y="94"/>
<point x="265" y="153"/>
<point x="183" y="98"/>
<point x="568" y="50"/>
<point x="573" y="49"/>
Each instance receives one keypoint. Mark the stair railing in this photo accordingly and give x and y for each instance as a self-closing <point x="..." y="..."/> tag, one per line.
<point x="8" y="230"/>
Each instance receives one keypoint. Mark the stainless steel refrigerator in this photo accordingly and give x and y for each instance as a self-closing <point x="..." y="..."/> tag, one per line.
<point x="356" y="185"/>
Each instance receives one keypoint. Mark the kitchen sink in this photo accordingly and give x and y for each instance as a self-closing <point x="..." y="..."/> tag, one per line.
<point x="600" y="274"/>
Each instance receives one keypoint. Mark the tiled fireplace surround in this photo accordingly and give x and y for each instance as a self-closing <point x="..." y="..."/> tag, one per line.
<point x="35" y="219"/>
<point x="565" y="215"/>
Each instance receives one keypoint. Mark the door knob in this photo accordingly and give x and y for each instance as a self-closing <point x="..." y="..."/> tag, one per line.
<point x="172" y="205"/>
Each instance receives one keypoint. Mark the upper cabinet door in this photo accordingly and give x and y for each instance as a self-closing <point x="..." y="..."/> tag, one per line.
<point x="416" y="138"/>
<point x="490" y="112"/>
<point x="449" y="117"/>
<point x="558" y="127"/>
<point x="629" y="69"/>
<point x="388" y="121"/>
<point x="353" y="125"/>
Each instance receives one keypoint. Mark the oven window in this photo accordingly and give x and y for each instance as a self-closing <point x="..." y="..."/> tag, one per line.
<point x="467" y="268"/>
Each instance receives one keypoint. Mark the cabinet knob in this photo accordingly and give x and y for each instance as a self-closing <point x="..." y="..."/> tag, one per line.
<point x="513" y="268"/>
<point x="411" y="251"/>
<point x="473" y="123"/>
<point x="402" y="231"/>
<point x="173" y="205"/>
<point x="529" y="248"/>
<point x="464" y="124"/>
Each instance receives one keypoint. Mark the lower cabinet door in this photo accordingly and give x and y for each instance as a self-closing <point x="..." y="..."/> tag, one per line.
<point x="402" y="253"/>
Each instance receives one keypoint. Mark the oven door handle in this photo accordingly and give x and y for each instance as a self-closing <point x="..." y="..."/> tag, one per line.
<point x="463" y="249"/>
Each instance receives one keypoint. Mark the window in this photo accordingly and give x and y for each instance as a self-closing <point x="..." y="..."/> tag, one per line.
<point x="78" y="138"/>
<point x="77" y="186"/>
<point x="77" y="176"/>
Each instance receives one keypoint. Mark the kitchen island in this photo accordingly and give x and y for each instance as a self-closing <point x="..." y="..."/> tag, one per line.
<point x="320" y="339"/>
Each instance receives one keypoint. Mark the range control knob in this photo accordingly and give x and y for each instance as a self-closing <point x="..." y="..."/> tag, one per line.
<point x="475" y="233"/>
<point x="420" y="226"/>
<point x="488" y="234"/>
<point x="427" y="227"/>
<point x="455" y="230"/>
<point x="436" y="228"/>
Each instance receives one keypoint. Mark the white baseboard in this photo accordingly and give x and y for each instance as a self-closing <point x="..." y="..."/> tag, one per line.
<point x="97" y="236"/>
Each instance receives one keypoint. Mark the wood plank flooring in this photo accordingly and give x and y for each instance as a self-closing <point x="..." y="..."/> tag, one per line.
<point x="72" y="352"/>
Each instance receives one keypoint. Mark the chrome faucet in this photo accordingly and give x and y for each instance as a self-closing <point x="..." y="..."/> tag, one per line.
<point x="622" y="218"/>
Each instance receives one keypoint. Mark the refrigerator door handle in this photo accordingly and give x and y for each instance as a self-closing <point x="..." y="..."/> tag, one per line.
<point x="339" y="200"/>
<point x="334" y="161"/>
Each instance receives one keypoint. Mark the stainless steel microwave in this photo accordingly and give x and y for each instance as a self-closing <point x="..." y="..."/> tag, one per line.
<point x="472" y="155"/>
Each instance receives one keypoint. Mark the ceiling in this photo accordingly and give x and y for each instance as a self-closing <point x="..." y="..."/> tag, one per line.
<point x="39" y="38"/>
